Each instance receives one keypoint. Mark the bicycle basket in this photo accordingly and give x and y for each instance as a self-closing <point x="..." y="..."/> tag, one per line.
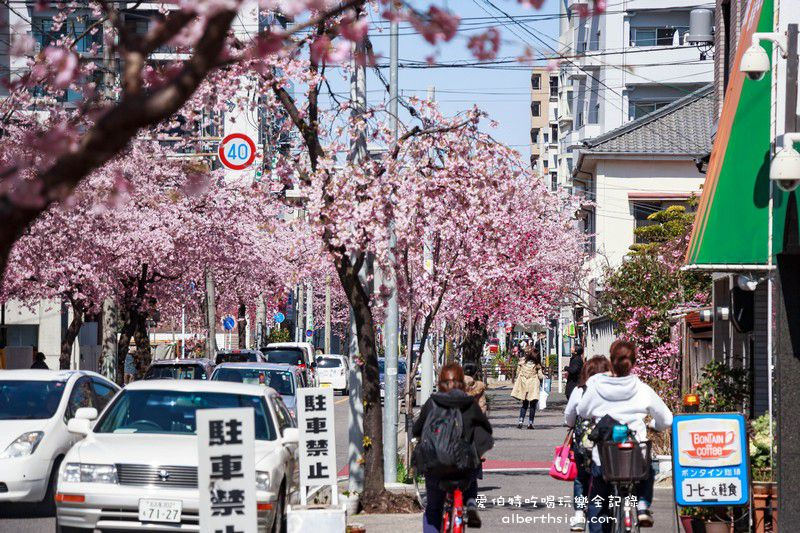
<point x="625" y="462"/>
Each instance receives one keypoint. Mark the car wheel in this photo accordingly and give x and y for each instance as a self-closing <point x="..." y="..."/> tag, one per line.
<point x="279" y="524"/>
<point x="48" y="504"/>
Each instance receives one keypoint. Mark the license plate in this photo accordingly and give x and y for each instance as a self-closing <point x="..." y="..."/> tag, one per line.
<point x="326" y="384"/>
<point x="160" y="511"/>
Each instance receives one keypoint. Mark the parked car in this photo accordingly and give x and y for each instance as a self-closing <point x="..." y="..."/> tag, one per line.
<point x="332" y="371"/>
<point x="401" y="377"/>
<point x="200" y="368"/>
<point x="300" y="354"/>
<point x="35" y="406"/>
<point x="285" y="379"/>
<point x="145" y="443"/>
<point x="239" y="356"/>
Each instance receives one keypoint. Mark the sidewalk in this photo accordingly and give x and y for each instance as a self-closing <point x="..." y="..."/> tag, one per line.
<point x="518" y="466"/>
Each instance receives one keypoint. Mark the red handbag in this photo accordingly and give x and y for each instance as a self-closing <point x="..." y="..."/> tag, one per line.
<point x="564" y="467"/>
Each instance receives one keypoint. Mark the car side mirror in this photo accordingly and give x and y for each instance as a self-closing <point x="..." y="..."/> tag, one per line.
<point x="79" y="426"/>
<point x="291" y="436"/>
<point x="86" y="413"/>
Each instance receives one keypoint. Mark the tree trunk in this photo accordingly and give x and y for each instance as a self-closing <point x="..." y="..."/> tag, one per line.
<point x="373" y="415"/>
<point x="69" y="337"/>
<point x="141" y="339"/>
<point x="108" y="364"/>
<point x="241" y="326"/>
<point x="211" y="316"/>
<point x="474" y="341"/>
<point x="123" y="346"/>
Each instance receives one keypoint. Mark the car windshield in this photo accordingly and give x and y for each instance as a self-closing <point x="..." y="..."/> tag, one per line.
<point x="328" y="362"/>
<point x="175" y="372"/>
<point x="243" y="357"/>
<point x="285" y="356"/>
<point x="401" y="366"/>
<point x="30" y="400"/>
<point x="173" y="412"/>
<point x="280" y="380"/>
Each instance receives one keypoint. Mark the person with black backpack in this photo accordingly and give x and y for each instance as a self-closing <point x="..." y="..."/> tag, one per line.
<point x="453" y="435"/>
<point x="581" y="445"/>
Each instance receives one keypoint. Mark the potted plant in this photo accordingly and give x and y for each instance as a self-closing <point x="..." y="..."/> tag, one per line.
<point x="705" y="519"/>
<point x="765" y="489"/>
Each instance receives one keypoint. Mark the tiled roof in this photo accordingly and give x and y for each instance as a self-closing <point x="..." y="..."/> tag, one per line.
<point x="685" y="126"/>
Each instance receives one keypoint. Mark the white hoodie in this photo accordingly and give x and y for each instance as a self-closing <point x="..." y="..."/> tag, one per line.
<point x="627" y="400"/>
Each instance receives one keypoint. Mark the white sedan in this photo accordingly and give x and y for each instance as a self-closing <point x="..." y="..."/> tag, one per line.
<point x="333" y="371"/>
<point x="144" y="450"/>
<point x="35" y="406"/>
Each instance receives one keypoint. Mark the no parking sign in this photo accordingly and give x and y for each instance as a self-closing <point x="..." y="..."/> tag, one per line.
<point x="237" y="151"/>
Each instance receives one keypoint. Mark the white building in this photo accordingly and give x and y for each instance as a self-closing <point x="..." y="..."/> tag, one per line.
<point x="621" y="65"/>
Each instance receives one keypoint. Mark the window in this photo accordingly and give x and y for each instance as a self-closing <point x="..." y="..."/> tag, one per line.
<point x="553" y="134"/>
<point x="285" y="418"/>
<point x="104" y="393"/>
<point x="534" y="135"/>
<point x="553" y="85"/>
<point x="546" y="137"/>
<point x="642" y="210"/>
<point x="81" y="396"/>
<point x="594" y="114"/>
<point x="656" y="36"/>
<point x="72" y="28"/>
<point x="536" y="109"/>
<point x="536" y="81"/>
<point x="641" y="108"/>
<point x="553" y="181"/>
<point x="29" y="400"/>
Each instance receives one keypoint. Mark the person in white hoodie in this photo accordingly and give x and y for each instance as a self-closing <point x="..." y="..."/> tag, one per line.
<point x="626" y="399"/>
<point x="580" y="487"/>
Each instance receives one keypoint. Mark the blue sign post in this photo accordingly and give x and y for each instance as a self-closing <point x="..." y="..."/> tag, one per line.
<point x="279" y="318"/>
<point x="710" y="459"/>
<point x="228" y="323"/>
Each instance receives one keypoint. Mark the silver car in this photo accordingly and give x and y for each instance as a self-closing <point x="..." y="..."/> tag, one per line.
<point x="285" y="379"/>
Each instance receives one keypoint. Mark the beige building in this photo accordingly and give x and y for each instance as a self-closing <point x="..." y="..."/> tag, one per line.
<point x="544" y="122"/>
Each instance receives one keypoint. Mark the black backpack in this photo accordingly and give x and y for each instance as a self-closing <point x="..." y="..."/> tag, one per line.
<point x="442" y="449"/>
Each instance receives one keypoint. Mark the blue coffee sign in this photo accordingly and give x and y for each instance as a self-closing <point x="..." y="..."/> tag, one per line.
<point x="710" y="459"/>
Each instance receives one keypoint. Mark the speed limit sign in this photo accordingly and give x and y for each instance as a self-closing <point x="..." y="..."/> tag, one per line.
<point x="237" y="151"/>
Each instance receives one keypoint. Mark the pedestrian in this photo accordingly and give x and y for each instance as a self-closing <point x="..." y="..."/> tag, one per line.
<point x="474" y="387"/>
<point x="130" y="368"/>
<point x="541" y="344"/>
<point x="623" y="397"/>
<point x="476" y="430"/>
<point x="573" y="371"/>
<point x="527" y="384"/>
<point x="39" y="361"/>
<point x="581" y="446"/>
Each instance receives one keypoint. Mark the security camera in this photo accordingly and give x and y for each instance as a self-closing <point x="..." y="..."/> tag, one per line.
<point x="755" y="62"/>
<point x="785" y="167"/>
<point x="746" y="283"/>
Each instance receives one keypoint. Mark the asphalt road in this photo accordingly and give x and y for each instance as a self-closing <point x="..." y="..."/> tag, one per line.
<point x="16" y="518"/>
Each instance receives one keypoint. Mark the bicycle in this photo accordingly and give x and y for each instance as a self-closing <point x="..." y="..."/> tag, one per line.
<point x="453" y="515"/>
<point x="625" y="464"/>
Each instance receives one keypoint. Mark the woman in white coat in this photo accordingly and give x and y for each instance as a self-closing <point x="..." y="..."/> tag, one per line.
<point x="626" y="399"/>
<point x="526" y="386"/>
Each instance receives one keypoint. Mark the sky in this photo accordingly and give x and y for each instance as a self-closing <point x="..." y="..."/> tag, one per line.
<point x="503" y="91"/>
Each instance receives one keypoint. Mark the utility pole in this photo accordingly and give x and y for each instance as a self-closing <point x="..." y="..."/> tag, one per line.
<point x="301" y="328"/>
<point x="426" y="363"/>
<point x="392" y="312"/>
<point x="327" y="314"/>
<point x="211" y="316"/>
<point x="309" y="313"/>
<point x="358" y="152"/>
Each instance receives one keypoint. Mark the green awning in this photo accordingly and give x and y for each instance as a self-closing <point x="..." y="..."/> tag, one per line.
<point x="732" y="222"/>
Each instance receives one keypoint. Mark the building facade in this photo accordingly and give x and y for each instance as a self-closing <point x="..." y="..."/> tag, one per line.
<point x="544" y="124"/>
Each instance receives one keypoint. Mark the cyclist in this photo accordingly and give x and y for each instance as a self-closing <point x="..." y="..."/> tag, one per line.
<point x="596" y="365"/>
<point x="626" y="399"/>
<point x="476" y="429"/>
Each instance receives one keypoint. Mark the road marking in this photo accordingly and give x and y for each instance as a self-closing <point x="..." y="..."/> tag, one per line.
<point x="337" y="402"/>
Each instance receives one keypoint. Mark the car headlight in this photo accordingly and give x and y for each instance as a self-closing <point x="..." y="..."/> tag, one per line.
<point x="262" y="481"/>
<point x="24" y="445"/>
<point x="88" y="473"/>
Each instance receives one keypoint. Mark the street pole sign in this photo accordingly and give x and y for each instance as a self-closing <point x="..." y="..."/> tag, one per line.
<point x="226" y="470"/>
<point x="711" y="462"/>
<point x="317" y="441"/>
<point x="309" y="333"/>
<point x="279" y="318"/>
<point x="228" y="323"/>
<point x="237" y="151"/>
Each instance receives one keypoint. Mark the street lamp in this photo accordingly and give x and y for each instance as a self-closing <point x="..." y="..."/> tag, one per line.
<point x="755" y="61"/>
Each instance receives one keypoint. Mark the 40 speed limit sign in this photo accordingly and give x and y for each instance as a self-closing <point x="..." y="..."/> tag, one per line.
<point x="237" y="151"/>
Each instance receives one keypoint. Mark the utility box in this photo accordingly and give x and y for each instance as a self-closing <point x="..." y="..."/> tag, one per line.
<point x="315" y="519"/>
